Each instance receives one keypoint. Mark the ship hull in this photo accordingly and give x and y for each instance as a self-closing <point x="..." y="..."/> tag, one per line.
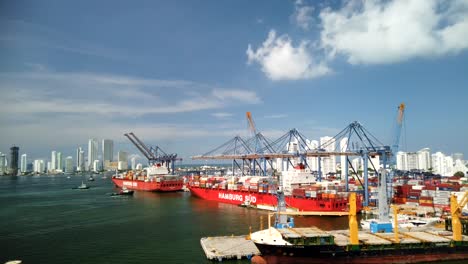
<point x="150" y="186"/>
<point x="275" y="254"/>
<point x="258" y="199"/>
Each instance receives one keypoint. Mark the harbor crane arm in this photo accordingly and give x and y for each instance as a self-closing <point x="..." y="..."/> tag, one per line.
<point x="143" y="145"/>
<point x="251" y="123"/>
<point x="142" y="150"/>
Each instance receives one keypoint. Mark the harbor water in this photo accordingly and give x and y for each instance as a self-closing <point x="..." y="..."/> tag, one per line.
<point x="44" y="220"/>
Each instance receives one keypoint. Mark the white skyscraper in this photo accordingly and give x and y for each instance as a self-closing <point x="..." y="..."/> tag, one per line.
<point x="328" y="163"/>
<point x="122" y="160"/>
<point x="412" y="159"/>
<point x="24" y="163"/>
<point x="438" y="163"/>
<point x="133" y="162"/>
<point x="49" y="166"/>
<point x="424" y="159"/>
<point x="69" y="164"/>
<point x="343" y="148"/>
<point x="3" y="163"/>
<point x="39" y="166"/>
<point x="96" y="166"/>
<point x="401" y="161"/>
<point x="80" y="161"/>
<point x="92" y="152"/>
<point x="448" y="169"/>
<point x="53" y="161"/>
<point x="59" y="164"/>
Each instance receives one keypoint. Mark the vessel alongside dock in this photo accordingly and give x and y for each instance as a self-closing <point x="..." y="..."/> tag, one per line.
<point x="154" y="179"/>
<point x="312" y="245"/>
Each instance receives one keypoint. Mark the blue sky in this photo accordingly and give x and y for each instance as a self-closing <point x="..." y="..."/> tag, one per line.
<point x="182" y="74"/>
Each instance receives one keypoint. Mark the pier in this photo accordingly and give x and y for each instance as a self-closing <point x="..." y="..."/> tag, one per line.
<point x="228" y="247"/>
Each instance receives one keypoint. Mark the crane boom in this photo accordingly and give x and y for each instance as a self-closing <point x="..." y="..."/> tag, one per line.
<point x="143" y="145"/>
<point x="251" y="123"/>
<point x="399" y="124"/>
<point x="139" y="147"/>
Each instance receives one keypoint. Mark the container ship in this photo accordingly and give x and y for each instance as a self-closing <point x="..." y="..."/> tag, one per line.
<point x="287" y="244"/>
<point x="302" y="192"/>
<point x="152" y="179"/>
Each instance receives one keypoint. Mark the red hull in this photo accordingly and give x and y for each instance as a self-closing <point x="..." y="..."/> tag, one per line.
<point x="151" y="186"/>
<point x="239" y="197"/>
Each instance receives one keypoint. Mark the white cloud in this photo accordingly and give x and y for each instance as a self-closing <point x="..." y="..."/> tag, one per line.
<point x="221" y="115"/>
<point x="277" y="116"/>
<point x="280" y="60"/>
<point x="303" y="15"/>
<point x="378" y="32"/>
<point x="240" y="95"/>
<point x="78" y="93"/>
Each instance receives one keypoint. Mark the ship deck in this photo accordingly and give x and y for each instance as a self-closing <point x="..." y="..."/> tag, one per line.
<point x="228" y="247"/>
<point x="414" y="237"/>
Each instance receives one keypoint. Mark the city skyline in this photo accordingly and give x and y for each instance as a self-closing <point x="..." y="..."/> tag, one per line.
<point x="182" y="75"/>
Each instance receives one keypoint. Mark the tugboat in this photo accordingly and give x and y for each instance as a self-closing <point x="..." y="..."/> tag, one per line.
<point x="82" y="186"/>
<point x="123" y="191"/>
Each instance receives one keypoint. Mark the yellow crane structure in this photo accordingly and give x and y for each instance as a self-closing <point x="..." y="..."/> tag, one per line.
<point x="251" y="123"/>
<point x="353" y="223"/>
<point x="455" y="210"/>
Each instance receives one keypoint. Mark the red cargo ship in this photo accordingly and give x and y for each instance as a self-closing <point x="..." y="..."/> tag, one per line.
<point x="310" y="198"/>
<point x="152" y="179"/>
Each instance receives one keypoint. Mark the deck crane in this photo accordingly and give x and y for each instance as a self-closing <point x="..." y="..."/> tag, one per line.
<point x="154" y="154"/>
<point x="455" y="210"/>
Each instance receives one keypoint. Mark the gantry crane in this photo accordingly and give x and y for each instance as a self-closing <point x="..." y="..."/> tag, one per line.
<point x="154" y="155"/>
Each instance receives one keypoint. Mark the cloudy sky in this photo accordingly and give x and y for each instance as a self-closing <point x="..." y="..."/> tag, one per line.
<point x="182" y="74"/>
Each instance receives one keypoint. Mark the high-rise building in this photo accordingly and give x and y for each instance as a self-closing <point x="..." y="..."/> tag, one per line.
<point x="24" y="163"/>
<point x="401" y="161"/>
<point x="59" y="160"/>
<point x="107" y="150"/>
<point x="80" y="161"/>
<point x="14" y="160"/>
<point x="39" y="166"/>
<point x="3" y="163"/>
<point x="448" y="169"/>
<point x="438" y="163"/>
<point x="328" y="163"/>
<point x="424" y="159"/>
<point x="92" y="152"/>
<point x="69" y="164"/>
<point x="412" y="160"/>
<point x="122" y="157"/>
<point x="343" y="148"/>
<point x="53" y="161"/>
<point x="133" y="162"/>
<point x="97" y="165"/>
<point x="49" y="166"/>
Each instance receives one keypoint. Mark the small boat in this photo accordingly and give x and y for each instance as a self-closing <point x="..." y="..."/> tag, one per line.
<point x="123" y="191"/>
<point x="82" y="186"/>
<point x="91" y="178"/>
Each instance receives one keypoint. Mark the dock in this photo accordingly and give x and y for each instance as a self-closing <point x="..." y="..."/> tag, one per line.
<point x="228" y="247"/>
